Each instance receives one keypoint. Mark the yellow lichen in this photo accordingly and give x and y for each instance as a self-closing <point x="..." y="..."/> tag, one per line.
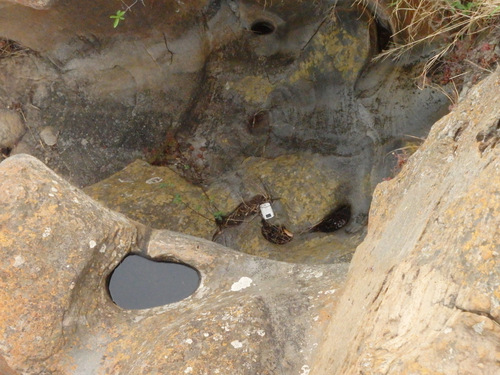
<point x="254" y="89"/>
<point x="335" y="51"/>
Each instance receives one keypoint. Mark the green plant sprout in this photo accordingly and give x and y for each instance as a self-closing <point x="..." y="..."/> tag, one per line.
<point x="166" y="185"/>
<point x="118" y="17"/>
<point x="466" y="8"/>
<point x="218" y="216"/>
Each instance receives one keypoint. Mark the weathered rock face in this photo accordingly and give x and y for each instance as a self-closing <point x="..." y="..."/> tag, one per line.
<point x="229" y="79"/>
<point x="249" y="315"/>
<point x="303" y="190"/>
<point x="423" y="293"/>
<point x="255" y="98"/>
<point x="159" y="198"/>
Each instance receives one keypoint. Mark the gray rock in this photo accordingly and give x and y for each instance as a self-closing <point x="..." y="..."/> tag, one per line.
<point x="423" y="291"/>
<point x="49" y="136"/>
<point x="11" y="128"/>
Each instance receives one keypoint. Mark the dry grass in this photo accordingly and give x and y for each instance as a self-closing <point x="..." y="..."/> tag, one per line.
<point x="9" y="48"/>
<point x="441" y="22"/>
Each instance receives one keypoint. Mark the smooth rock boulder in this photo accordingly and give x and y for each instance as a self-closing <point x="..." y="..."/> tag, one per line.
<point x="159" y="198"/>
<point x="248" y="316"/>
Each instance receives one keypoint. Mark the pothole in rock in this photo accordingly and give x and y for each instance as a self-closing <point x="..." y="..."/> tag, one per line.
<point x="262" y="28"/>
<point x="140" y="283"/>
<point x="334" y="221"/>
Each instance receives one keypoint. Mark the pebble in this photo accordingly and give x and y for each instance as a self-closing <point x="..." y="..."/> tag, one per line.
<point x="49" y="136"/>
<point x="11" y="128"/>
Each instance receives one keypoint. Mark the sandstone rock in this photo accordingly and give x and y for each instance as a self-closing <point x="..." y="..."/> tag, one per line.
<point x="11" y="128"/>
<point x="58" y="249"/>
<point x="422" y="294"/>
<point x="158" y="197"/>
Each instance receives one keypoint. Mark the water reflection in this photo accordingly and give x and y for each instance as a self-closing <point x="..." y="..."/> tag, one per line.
<point x="140" y="283"/>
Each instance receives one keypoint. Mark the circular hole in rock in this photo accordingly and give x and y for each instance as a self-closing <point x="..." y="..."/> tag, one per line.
<point x="140" y="283"/>
<point x="262" y="28"/>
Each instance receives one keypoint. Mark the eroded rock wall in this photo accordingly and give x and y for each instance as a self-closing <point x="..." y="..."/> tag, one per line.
<point x="204" y="74"/>
<point x="423" y="293"/>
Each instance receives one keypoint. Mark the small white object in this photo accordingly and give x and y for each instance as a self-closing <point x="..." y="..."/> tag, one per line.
<point x="154" y="180"/>
<point x="242" y="283"/>
<point x="266" y="211"/>
<point x="236" y="344"/>
<point x="18" y="261"/>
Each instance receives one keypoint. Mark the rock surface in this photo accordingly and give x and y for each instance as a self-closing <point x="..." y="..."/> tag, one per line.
<point x="421" y="296"/>
<point x="196" y="71"/>
<point x="303" y="189"/>
<point x="249" y="315"/>
<point x="159" y="198"/>
<point x="11" y="128"/>
<point x="423" y="292"/>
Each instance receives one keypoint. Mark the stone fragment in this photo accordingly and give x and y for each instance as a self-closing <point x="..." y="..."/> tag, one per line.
<point x="11" y="128"/>
<point x="158" y="197"/>
<point x="49" y="136"/>
<point x="23" y="148"/>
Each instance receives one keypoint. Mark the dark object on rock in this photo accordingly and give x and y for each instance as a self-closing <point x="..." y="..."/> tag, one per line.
<point x="244" y="209"/>
<point x="334" y="220"/>
<point x="276" y="234"/>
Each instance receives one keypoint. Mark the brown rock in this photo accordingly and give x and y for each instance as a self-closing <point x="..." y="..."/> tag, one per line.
<point x="159" y="198"/>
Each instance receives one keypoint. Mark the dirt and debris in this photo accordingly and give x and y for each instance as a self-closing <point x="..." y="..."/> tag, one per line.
<point x="10" y="48"/>
<point x="276" y="234"/>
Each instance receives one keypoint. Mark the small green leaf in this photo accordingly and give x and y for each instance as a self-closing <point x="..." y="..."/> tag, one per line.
<point x="118" y="17"/>
<point x="218" y="216"/>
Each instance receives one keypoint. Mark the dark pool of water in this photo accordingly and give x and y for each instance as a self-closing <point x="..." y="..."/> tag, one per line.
<point x="140" y="283"/>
